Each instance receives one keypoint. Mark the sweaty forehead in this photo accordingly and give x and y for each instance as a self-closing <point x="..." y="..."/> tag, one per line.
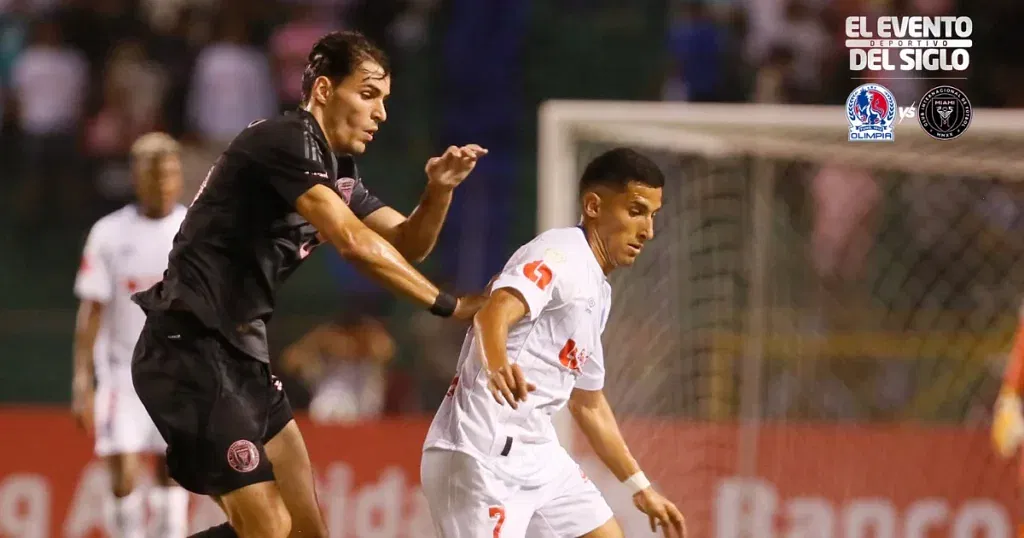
<point x="372" y="73"/>
<point x="368" y="74"/>
<point x="646" y="195"/>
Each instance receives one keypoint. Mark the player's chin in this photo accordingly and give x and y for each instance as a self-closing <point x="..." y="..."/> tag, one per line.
<point x="627" y="258"/>
<point x="357" y="147"/>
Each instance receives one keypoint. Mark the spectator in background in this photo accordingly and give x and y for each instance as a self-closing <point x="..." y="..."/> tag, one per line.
<point x="289" y="46"/>
<point x="231" y="85"/>
<point x="696" y="45"/>
<point x="803" y="33"/>
<point x="173" y="47"/>
<point x="775" y="82"/>
<point x="344" y="364"/>
<point x="132" y="99"/>
<point x="13" y="30"/>
<point x="50" y="81"/>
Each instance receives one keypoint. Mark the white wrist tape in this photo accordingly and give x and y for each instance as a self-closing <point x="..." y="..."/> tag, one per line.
<point x="636" y="483"/>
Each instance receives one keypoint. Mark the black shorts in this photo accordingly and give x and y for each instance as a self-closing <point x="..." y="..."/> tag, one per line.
<point x="215" y="406"/>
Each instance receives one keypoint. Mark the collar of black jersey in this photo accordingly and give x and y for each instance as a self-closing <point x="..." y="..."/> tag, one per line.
<point x="346" y="162"/>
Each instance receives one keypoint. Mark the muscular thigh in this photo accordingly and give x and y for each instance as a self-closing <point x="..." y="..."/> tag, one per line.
<point x="294" y="475"/>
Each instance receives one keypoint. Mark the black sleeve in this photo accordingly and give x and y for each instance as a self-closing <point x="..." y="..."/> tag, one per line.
<point x="363" y="203"/>
<point x="294" y="162"/>
<point x="353" y="191"/>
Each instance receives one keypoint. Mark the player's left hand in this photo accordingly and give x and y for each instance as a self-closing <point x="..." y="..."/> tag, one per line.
<point x="661" y="513"/>
<point x="453" y="166"/>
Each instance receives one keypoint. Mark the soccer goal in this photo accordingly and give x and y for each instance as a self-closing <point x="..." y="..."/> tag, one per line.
<point x="816" y="334"/>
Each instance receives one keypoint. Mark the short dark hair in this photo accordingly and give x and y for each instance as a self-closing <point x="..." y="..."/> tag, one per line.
<point x="617" y="167"/>
<point x="336" y="55"/>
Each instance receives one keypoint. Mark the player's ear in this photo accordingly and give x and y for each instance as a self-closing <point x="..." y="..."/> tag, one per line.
<point x="591" y="204"/>
<point x="322" y="89"/>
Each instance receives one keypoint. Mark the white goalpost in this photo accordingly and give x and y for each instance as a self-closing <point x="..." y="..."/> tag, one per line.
<point x="796" y="277"/>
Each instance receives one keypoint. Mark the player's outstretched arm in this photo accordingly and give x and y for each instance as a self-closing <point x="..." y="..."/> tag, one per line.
<point x="375" y="256"/>
<point x="416" y="235"/>
<point x="87" y="327"/>
<point x="594" y="416"/>
<point x="503" y="308"/>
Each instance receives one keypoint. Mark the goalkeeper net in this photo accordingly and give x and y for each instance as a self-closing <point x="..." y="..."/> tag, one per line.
<point x="814" y="338"/>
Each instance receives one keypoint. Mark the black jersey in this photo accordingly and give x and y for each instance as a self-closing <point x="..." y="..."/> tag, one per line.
<point x="242" y="238"/>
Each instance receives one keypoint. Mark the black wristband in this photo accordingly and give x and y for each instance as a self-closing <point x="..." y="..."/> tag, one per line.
<point x="444" y="305"/>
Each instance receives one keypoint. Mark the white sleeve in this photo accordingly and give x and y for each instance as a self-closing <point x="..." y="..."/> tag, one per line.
<point x="592" y="374"/>
<point x="535" y="271"/>
<point x="93" y="281"/>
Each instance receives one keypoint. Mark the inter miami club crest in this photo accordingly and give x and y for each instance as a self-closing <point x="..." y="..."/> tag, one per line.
<point x="871" y="111"/>
<point x="345" y="186"/>
<point x="243" y="456"/>
<point x="945" y="113"/>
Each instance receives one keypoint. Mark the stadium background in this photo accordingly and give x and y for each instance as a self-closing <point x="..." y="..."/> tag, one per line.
<point x="477" y="71"/>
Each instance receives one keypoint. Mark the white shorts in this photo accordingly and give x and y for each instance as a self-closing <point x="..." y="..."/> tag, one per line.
<point x="467" y="500"/>
<point x="122" y="424"/>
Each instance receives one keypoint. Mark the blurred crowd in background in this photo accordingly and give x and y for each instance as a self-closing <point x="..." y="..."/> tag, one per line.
<point x="80" y="79"/>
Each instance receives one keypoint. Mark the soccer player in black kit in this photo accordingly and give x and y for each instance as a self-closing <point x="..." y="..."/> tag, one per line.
<point x="283" y="186"/>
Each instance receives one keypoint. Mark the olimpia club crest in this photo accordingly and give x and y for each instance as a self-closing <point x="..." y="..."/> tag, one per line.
<point x="871" y="111"/>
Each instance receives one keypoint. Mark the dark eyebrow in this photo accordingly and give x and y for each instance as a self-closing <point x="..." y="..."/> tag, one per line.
<point x="374" y="89"/>
<point x="641" y="203"/>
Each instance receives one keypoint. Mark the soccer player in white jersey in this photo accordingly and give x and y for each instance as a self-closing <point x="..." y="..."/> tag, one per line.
<point x="126" y="251"/>
<point x="492" y="465"/>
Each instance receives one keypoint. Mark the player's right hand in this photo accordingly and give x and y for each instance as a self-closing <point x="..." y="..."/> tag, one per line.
<point x="508" y="385"/>
<point x="1007" y="424"/>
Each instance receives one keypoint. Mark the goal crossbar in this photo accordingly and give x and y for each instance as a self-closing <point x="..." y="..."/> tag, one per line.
<point x="812" y="133"/>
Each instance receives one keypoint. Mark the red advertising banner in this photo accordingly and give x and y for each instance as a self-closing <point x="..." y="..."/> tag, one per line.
<point x="812" y="481"/>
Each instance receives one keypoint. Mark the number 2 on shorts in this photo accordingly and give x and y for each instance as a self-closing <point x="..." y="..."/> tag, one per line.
<point x="497" y="512"/>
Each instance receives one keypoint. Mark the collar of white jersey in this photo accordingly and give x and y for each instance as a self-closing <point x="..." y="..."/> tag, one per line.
<point x="592" y="259"/>
<point x="136" y="210"/>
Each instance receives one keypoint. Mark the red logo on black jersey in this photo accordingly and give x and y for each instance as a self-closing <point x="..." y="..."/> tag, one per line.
<point x="345" y="187"/>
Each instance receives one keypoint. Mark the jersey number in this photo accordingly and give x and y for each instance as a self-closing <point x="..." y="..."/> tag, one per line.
<point x="538" y="273"/>
<point x="497" y="512"/>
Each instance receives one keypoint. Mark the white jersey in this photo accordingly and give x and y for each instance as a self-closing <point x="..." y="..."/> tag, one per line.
<point x="125" y="252"/>
<point x="558" y="347"/>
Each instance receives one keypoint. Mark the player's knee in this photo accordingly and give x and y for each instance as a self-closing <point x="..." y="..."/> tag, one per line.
<point x="308" y="528"/>
<point x="123" y="474"/>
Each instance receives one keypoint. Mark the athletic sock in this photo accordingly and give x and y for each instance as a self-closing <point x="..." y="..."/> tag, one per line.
<point x="168" y="512"/>
<point x="126" y="516"/>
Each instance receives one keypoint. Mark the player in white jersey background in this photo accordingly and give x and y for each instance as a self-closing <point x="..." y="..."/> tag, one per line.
<point x="492" y="465"/>
<point x="125" y="252"/>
